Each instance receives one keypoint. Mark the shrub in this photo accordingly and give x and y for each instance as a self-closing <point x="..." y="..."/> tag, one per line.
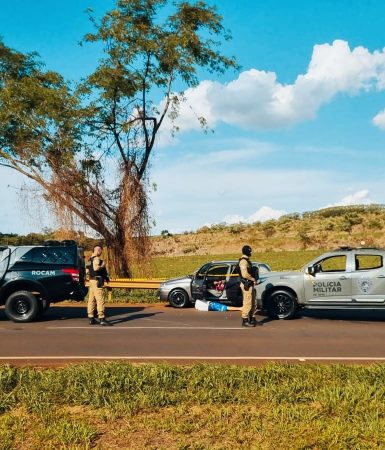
<point x="165" y="234"/>
<point x="374" y="224"/>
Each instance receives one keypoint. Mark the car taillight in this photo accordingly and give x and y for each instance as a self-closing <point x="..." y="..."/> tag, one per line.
<point x="73" y="272"/>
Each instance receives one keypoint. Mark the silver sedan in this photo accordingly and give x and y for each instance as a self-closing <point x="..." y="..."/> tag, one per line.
<point x="215" y="281"/>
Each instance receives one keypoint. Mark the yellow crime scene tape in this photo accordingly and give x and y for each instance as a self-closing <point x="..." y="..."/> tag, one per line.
<point x="134" y="283"/>
<point x="141" y="283"/>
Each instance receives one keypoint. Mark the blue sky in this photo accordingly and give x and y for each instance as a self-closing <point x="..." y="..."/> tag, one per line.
<point x="301" y="123"/>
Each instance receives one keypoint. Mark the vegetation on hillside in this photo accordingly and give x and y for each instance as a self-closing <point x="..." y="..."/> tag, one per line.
<point x="46" y="235"/>
<point x="325" y="228"/>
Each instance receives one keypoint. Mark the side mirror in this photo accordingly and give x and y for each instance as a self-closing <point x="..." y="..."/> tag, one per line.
<point x="311" y="270"/>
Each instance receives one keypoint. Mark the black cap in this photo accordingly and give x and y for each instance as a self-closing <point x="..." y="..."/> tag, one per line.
<point x="246" y="250"/>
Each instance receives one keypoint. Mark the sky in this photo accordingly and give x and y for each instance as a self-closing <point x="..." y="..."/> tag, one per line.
<point x="300" y="126"/>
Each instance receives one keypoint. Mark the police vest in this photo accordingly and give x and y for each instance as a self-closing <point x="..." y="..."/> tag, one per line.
<point x="90" y="266"/>
<point x="102" y="272"/>
<point x="252" y="270"/>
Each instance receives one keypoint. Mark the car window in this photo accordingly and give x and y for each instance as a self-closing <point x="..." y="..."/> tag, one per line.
<point x="21" y="254"/>
<point x="216" y="277"/>
<point x="49" y="255"/>
<point x="367" y="262"/>
<point x="200" y="274"/>
<point x="217" y="271"/>
<point x="333" y="264"/>
<point x="263" y="268"/>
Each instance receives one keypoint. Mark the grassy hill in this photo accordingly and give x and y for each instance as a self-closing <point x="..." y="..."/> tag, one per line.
<point x="322" y="229"/>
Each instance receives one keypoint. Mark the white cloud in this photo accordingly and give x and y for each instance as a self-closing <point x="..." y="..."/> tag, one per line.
<point x="256" y="99"/>
<point x="261" y="215"/>
<point x="266" y="213"/>
<point x="379" y="120"/>
<point x="234" y="218"/>
<point x="358" y="198"/>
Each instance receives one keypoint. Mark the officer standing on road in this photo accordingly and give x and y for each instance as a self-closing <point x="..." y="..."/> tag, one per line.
<point x="98" y="276"/>
<point x="247" y="286"/>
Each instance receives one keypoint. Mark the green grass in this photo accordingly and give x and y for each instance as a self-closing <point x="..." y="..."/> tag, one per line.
<point x="118" y="405"/>
<point x="167" y="267"/>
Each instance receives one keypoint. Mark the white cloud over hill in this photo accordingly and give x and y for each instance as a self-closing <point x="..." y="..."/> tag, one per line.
<point x="358" y="198"/>
<point x="261" y="215"/>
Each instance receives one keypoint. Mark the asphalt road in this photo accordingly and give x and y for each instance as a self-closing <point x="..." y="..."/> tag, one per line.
<point x="161" y="333"/>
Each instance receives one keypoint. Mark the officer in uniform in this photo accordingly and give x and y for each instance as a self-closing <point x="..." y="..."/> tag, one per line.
<point x="98" y="275"/>
<point x="248" y="281"/>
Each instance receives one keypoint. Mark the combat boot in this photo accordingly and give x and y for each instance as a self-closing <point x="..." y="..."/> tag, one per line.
<point x="254" y="321"/>
<point x="92" y="321"/>
<point x="105" y="323"/>
<point x="247" y="323"/>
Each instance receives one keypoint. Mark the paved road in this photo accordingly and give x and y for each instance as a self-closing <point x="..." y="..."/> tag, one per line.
<point x="161" y="333"/>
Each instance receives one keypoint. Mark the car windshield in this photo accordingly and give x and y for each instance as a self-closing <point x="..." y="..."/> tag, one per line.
<point x="4" y="253"/>
<point x="264" y="268"/>
<point x="201" y="272"/>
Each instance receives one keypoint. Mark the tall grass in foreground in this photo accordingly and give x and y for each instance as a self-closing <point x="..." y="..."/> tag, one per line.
<point x="119" y="405"/>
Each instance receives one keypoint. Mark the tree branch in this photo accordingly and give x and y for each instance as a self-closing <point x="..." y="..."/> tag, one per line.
<point x="115" y="131"/>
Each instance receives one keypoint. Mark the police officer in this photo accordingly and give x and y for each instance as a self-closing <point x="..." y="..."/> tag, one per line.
<point x="98" y="275"/>
<point x="248" y="281"/>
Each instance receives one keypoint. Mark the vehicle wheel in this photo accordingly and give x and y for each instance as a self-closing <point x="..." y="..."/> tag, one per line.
<point x="178" y="298"/>
<point x="21" y="306"/>
<point x="281" y="305"/>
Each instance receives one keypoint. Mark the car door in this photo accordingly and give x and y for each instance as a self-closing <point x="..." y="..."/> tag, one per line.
<point x="233" y="289"/>
<point x="368" y="279"/>
<point x="215" y="281"/>
<point x="331" y="283"/>
<point x="197" y="282"/>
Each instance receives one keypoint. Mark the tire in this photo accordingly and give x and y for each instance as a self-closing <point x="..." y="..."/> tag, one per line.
<point x="179" y="298"/>
<point x="281" y="305"/>
<point x="21" y="306"/>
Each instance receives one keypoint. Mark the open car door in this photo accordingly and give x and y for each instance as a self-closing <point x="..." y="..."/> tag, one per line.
<point x="215" y="282"/>
<point x="233" y="287"/>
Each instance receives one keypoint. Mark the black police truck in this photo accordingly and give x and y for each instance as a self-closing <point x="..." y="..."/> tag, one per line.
<point x="32" y="277"/>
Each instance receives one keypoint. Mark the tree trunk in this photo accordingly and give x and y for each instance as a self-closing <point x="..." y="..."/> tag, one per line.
<point x="118" y="263"/>
<point x="128" y="256"/>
